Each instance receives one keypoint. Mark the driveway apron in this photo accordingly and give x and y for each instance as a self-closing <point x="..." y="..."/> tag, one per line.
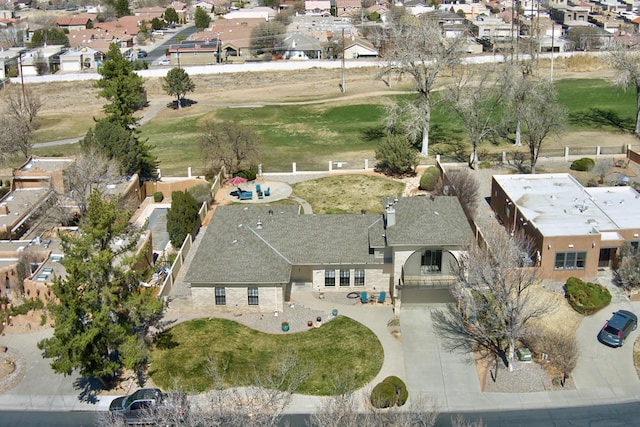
<point x="448" y="378"/>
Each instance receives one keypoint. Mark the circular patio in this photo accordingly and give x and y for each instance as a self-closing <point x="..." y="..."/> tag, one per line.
<point x="276" y="190"/>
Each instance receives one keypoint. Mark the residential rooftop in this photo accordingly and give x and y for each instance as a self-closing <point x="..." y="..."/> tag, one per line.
<point x="558" y="205"/>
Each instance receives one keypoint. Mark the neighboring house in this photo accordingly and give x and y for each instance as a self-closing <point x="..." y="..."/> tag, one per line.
<point x="380" y="10"/>
<point x="195" y="51"/>
<point x="576" y="230"/>
<point x="300" y="46"/>
<point x="74" y="22"/>
<point x="10" y="61"/>
<point x="348" y="8"/>
<point x="129" y="25"/>
<point x="80" y="59"/>
<point x="234" y="35"/>
<point x="49" y="56"/>
<point x="571" y="16"/>
<point x="35" y="187"/>
<point x="255" y="258"/>
<point x="148" y="13"/>
<point x="317" y="7"/>
<point x="360" y="48"/>
<point x="492" y="28"/>
<point x="265" y="13"/>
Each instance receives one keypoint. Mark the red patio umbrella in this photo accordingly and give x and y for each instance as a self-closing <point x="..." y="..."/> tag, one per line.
<point x="237" y="180"/>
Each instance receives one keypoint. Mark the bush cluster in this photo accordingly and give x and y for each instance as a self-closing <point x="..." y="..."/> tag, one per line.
<point x="392" y="391"/>
<point x="583" y="165"/>
<point x="585" y="297"/>
<point x="247" y="174"/>
<point x="158" y="196"/>
<point x="429" y="179"/>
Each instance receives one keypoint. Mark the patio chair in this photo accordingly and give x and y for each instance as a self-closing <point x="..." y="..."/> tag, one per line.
<point x="363" y="298"/>
<point x="258" y="189"/>
<point x="267" y="191"/>
<point x="382" y="297"/>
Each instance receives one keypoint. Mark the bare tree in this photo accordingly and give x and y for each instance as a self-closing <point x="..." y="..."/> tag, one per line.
<point x="628" y="272"/>
<point x="346" y="410"/>
<point x="420" y="49"/>
<point x="560" y="349"/>
<point x="496" y="295"/>
<point x="19" y="121"/>
<point x="536" y="113"/>
<point x="229" y="144"/>
<point x="474" y="98"/>
<point x="91" y="171"/>
<point x="624" y="57"/>
<point x="601" y="170"/>
<point x="464" y="185"/>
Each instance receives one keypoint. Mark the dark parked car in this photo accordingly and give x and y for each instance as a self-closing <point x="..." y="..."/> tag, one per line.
<point x="618" y="328"/>
<point x="142" y="406"/>
<point x="142" y="54"/>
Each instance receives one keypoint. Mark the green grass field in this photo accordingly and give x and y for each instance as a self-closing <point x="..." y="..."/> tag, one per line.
<point x="341" y="348"/>
<point x="313" y="135"/>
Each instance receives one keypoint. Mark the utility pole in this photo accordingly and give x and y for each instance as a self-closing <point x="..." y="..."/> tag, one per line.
<point x="219" y="43"/>
<point x="24" y="96"/>
<point x="343" y="89"/>
<point x="553" y="48"/>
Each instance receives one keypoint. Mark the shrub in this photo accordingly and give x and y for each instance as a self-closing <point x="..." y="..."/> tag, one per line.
<point x="248" y="174"/>
<point x="7" y="183"/>
<point x="392" y="391"/>
<point x="485" y="164"/>
<point x="158" y="196"/>
<point x="24" y="308"/>
<point x="429" y="179"/>
<point x="584" y="164"/>
<point x="396" y="156"/>
<point x="383" y="395"/>
<point x="586" y="297"/>
<point x="182" y="217"/>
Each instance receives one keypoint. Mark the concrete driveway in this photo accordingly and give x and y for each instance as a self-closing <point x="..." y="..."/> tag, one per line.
<point x="601" y="369"/>
<point x="450" y="379"/>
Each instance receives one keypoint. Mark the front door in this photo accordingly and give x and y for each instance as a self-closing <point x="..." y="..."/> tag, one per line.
<point x="605" y="257"/>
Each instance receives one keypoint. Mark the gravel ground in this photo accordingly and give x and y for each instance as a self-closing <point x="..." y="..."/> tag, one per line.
<point x="526" y="377"/>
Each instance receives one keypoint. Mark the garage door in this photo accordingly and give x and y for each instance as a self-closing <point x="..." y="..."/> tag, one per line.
<point x="425" y="296"/>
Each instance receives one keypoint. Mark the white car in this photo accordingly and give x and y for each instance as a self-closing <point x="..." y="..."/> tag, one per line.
<point x="157" y="33"/>
<point x="164" y="61"/>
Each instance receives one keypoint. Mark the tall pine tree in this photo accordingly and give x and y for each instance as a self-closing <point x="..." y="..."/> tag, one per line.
<point x="102" y="314"/>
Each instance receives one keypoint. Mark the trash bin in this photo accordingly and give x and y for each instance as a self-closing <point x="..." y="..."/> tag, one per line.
<point x="524" y="354"/>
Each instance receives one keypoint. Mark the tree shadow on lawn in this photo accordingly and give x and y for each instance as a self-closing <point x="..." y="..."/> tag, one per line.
<point x="600" y="118"/>
<point x="185" y="103"/>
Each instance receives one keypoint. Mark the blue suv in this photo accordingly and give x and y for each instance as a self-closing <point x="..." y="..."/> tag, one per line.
<point x="618" y="328"/>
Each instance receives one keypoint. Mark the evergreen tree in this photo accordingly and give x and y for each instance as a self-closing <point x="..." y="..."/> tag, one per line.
<point x="102" y="314"/>
<point x="121" y="87"/>
<point x="396" y="155"/>
<point x="202" y="19"/>
<point x="49" y="36"/>
<point x="122" y="8"/>
<point x="177" y="83"/>
<point x="182" y="217"/>
<point x="171" y="16"/>
<point x="122" y="145"/>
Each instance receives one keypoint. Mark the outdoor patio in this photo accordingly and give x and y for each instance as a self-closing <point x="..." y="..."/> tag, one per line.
<point x="276" y="191"/>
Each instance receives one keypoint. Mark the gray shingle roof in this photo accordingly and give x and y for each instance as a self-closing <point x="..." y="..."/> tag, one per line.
<point x="437" y="221"/>
<point x="260" y="244"/>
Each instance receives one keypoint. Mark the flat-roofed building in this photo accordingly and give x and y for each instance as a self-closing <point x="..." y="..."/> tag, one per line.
<point x="576" y="229"/>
